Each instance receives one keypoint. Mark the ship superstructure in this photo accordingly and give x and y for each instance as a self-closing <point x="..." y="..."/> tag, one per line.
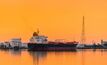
<point x="38" y="39"/>
<point x="15" y="43"/>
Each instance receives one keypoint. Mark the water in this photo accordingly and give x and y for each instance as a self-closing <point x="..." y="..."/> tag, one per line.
<point x="79" y="57"/>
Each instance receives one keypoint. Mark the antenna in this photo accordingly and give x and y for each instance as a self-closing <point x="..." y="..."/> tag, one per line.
<point x="83" y="32"/>
<point x="37" y="30"/>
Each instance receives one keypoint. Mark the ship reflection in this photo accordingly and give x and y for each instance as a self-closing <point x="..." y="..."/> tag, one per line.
<point x="37" y="56"/>
<point x="15" y="52"/>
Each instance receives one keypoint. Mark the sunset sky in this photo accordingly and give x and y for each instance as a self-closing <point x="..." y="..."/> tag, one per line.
<point x="57" y="19"/>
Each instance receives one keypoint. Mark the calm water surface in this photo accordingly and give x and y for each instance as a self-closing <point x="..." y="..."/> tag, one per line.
<point x="79" y="57"/>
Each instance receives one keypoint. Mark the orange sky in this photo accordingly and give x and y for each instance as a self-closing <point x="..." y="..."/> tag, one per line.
<point x="58" y="19"/>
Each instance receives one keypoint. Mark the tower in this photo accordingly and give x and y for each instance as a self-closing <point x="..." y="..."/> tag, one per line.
<point x="83" y="32"/>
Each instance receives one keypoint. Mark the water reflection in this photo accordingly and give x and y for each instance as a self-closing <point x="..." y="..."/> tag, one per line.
<point x="12" y="52"/>
<point x="79" y="57"/>
<point x="91" y="50"/>
<point x="37" y="56"/>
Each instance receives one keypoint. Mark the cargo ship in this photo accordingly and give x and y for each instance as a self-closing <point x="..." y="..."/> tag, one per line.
<point x="40" y="43"/>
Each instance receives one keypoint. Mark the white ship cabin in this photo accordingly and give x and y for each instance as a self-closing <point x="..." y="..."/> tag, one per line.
<point x="38" y="39"/>
<point x="16" y="42"/>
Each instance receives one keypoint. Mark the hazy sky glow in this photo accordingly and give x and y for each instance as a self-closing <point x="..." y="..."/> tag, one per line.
<point x="58" y="19"/>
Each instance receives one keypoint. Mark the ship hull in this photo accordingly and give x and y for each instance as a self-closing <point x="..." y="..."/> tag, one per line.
<point x="51" y="47"/>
